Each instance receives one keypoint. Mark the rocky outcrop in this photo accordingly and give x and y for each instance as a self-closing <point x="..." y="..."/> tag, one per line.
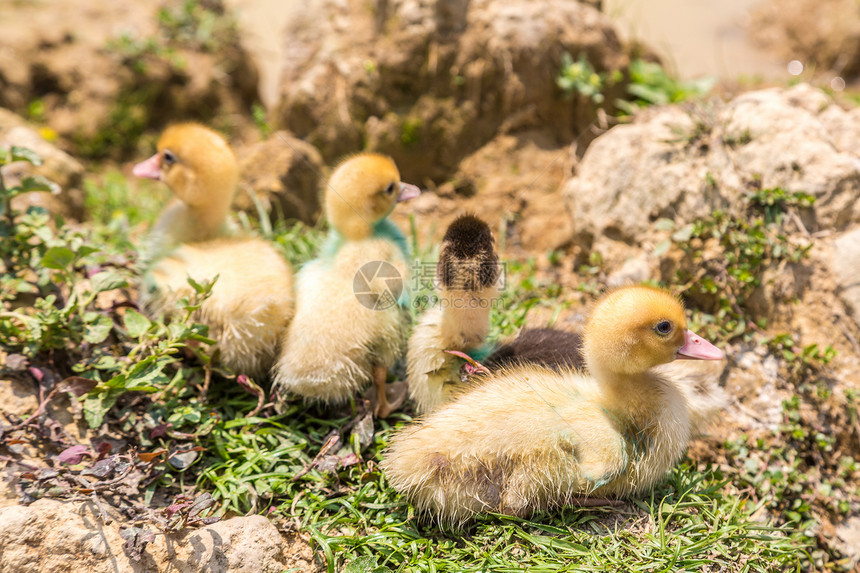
<point x="681" y="164"/>
<point x="58" y="167"/>
<point x="431" y="81"/>
<point x="66" y="537"/>
<point x="284" y="174"/>
<point x="101" y="74"/>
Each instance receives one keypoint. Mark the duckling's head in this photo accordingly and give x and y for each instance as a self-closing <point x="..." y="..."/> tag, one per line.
<point x="467" y="259"/>
<point x="635" y="328"/>
<point x="362" y="191"/>
<point x="196" y="163"/>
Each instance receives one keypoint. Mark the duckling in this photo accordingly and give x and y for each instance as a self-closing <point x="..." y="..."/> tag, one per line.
<point x="530" y="438"/>
<point x="350" y="318"/>
<point x="198" y="166"/>
<point x="252" y="300"/>
<point x="466" y="275"/>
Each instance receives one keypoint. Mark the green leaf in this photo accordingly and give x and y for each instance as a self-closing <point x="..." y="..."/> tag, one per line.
<point x="84" y="251"/>
<point x="37" y="183"/>
<point x="664" y="224"/>
<point x="97" y="404"/>
<point x="204" y="286"/>
<point x="662" y="248"/>
<point x="147" y="370"/>
<point x="135" y="323"/>
<point x="107" y="280"/>
<point x="99" y="330"/>
<point x="683" y="234"/>
<point x="24" y="154"/>
<point x="58" y="258"/>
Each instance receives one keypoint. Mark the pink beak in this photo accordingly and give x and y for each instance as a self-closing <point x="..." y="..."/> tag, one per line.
<point x="697" y="348"/>
<point x="151" y="168"/>
<point x="407" y="192"/>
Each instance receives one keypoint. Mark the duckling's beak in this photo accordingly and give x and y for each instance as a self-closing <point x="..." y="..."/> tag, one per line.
<point x="408" y="191"/>
<point x="150" y="168"/>
<point x="697" y="348"/>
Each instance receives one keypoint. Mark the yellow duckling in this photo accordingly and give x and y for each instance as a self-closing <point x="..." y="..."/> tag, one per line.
<point x="530" y="438"/>
<point x="466" y="274"/>
<point x="350" y="322"/>
<point x="252" y="301"/>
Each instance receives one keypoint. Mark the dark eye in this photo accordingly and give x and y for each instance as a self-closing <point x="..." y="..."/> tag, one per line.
<point x="167" y="157"/>
<point x="390" y="189"/>
<point x="663" y="327"/>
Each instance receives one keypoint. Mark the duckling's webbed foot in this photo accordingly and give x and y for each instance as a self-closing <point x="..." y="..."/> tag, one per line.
<point x="389" y="397"/>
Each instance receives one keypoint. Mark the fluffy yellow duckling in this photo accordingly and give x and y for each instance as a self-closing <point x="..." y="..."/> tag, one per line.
<point x="252" y="301"/>
<point x="530" y="438"/>
<point x="466" y="276"/>
<point x="350" y="323"/>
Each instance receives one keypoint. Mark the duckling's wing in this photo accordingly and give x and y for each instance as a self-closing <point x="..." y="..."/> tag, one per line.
<point x="555" y="349"/>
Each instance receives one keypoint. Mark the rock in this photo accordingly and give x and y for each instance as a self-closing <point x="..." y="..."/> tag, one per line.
<point x="823" y="35"/>
<point x="632" y="271"/>
<point x="848" y="535"/>
<point x="285" y="174"/>
<point x="752" y="381"/>
<point x="19" y="398"/>
<point x="680" y="164"/>
<point x="512" y="182"/>
<point x="101" y="74"/>
<point x="845" y="265"/>
<point x="58" y="537"/>
<point x="58" y="166"/>
<point x="431" y="81"/>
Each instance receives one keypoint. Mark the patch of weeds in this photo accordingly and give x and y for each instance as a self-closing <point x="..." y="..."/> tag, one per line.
<point x="36" y="110"/>
<point x="776" y="202"/>
<point x="410" y="130"/>
<point x="592" y="274"/>
<point x="261" y="121"/>
<point x="128" y="119"/>
<point x="805" y="474"/>
<point x="726" y="256"/>
<point x="79" y="320"/>
<point x="651" y="85"/>
<point x="198" y="25"/>
<point x="182" y="27"/>
<point x="580" y="77"/>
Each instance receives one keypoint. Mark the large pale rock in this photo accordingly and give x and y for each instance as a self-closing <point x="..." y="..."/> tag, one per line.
<point x="284" y="173"/>
<point x="56" y="537"/>
<point x="431" y="81"/>
<point x="681" y="164"/>
<point x="845" y="265"/>
<point x="58" y="166"/>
